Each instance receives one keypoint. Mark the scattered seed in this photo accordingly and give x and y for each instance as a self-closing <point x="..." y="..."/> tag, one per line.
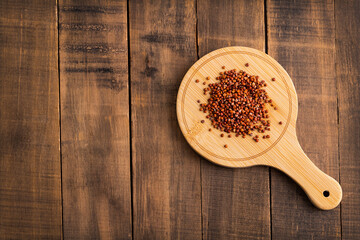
<point x="197" y="80"/>
<point x="223" y="67"/>
<point x="273" y="79"/>
<point x="280" y="122"/>
<point x="229" y="136"/>
<point x="204" y="83"/>
<point x="198" y="101"/>
<point x="202" y="121"/>
<point x="225" y="146"/>
<point x="246" y="64"/>
<point x="207" y="78"/>
<point x="222" y="135"/>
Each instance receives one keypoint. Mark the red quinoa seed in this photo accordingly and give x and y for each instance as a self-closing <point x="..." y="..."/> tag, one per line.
<point x="237" y="103"/>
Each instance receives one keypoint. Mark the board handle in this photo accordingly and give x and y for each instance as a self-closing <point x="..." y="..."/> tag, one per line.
<point x="323" y="191"/>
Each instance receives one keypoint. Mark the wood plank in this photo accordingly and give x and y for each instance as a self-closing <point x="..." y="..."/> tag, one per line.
<point x="95" y="119"/>
<point x="301" y="37"/>
<point x="244" y="192"/>
<point x="30" y="171"/>
<point x="166" y="172"/>
<point x="348" y="77"/>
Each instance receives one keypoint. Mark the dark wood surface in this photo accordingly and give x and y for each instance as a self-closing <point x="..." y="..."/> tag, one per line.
<point x="94" y="100"/>
<point x="301" y="36"/>
<point x="235" y="202"/>
<point x="30" y="169"/>
<point x="165" y="171"/>
<point x="348" y="85"/>
<point x="90" y="147"/>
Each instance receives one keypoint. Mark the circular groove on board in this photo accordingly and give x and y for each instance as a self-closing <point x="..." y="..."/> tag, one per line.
<point x="190" y="79"/>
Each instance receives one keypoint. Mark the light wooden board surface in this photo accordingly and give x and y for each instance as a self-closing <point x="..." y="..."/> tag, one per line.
<point x="281" y="151"/>
<point x="241" y="152"/>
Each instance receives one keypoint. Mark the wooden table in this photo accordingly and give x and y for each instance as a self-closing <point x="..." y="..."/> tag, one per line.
<point x="89" y="141"/>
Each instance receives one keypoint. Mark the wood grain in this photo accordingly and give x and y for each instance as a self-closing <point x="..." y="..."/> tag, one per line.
<point x="301" y="37"/>
<point x="30" y="175"/>
<point x="245" y="192"/>
<point x="166" y="172"/>
<point x="348" y="79"/>
<point x="95" y="120"/>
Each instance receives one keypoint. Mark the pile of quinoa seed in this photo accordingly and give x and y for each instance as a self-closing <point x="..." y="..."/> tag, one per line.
<point x="238" y="104"/>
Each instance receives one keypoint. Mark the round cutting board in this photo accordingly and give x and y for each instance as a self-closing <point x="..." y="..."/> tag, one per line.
<point x="281" y="150"/>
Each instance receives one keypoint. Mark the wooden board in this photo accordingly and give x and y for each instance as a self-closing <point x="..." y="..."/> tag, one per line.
<point x="95" y="119"/>
<point x="30" y="175"/>
<point x="348" y="72"/>
<point x="281" y="151"/>
<point x="166" y="172"/>
<point x="245" y="192"/>
<point x="241" y="152"/>
<point x="301" y="37"/>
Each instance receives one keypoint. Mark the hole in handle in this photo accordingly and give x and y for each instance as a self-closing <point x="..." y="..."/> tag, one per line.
<point x="326" y="193"/>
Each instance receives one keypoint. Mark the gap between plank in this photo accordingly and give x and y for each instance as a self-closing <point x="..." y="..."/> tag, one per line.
<point x="60" y="149"/>
<point x="338" y="115"/>
<point x="265" y="26"/>
<point x="130" y="122"/>
<point x="266" y="51"/>
<point x="197" y="55"/>
<point x="196" y="30"/>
